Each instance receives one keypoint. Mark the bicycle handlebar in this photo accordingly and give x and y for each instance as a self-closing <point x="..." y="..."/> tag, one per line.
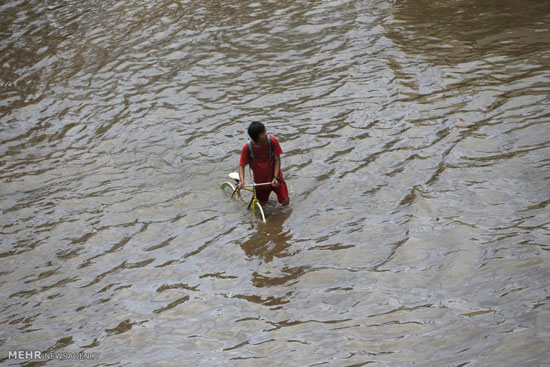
<point x="257" y="184"/>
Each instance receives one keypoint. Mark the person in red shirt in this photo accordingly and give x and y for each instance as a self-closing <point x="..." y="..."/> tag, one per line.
<point x="265" y="168"/>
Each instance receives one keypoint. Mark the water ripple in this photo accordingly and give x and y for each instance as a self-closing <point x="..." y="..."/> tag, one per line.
<point x="415" y="151"/>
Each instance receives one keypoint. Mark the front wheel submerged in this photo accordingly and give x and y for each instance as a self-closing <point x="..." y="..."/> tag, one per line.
<point x="258" y="211"/>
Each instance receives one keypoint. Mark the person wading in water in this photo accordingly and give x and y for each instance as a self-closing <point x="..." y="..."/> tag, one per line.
<point x="262" y="153"/>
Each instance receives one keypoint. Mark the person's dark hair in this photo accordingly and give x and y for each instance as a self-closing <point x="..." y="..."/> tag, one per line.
<point x="255" y="129"/>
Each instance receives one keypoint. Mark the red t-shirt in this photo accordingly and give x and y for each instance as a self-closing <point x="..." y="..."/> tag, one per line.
<point x="261" y="167"/>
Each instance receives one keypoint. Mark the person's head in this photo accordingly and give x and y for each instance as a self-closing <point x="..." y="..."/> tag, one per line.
<point x="257" y="132"/>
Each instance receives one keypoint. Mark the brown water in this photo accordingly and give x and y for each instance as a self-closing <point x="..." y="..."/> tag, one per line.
<point x="417" y="153"/>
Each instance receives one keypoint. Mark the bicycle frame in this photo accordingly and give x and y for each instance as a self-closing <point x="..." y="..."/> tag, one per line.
<point x="253" y="191"/>
<point x="254" y="203"/>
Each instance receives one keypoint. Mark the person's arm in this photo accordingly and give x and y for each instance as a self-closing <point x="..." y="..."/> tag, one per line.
<point x="276" y="171"/>
<point x="243" y="162"/>
<point x="241" y="177"/>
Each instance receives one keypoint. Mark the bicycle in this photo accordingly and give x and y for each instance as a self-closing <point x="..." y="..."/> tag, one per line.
<point x="254" y="203"/>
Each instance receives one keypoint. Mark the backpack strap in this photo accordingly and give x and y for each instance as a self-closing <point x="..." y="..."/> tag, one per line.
<point x="250" y="152"/>
<point x="270" y="146"/>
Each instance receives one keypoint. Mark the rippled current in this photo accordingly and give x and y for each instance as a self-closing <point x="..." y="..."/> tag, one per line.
<point x="416" y="138"/>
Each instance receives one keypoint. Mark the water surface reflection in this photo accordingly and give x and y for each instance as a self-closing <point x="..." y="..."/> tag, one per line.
<point x="416" y="149"/>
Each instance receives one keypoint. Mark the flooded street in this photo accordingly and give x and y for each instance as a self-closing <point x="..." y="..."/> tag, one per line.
<point x="416" y="139"/>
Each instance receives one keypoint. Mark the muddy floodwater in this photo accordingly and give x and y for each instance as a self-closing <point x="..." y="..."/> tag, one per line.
<point x="416" y="139"/>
